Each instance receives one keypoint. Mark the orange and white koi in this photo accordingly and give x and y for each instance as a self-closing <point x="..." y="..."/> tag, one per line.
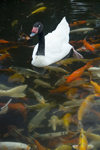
<point x="14" y="145"/>
<point x="83" y="143"/>
<point x="88" y="46"/>
<point x="77" y="73"/>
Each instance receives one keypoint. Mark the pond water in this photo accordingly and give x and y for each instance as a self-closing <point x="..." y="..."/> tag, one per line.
<point x="15" y="124"/>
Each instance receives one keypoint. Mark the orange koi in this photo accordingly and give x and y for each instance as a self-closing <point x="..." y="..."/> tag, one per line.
<point x="3" y="56"/>
<point x="3" y="41"/>
<point x="83" y="143"/>
<point x="17" y="106"/>
<point x="88" y="46"/>
<point x="20" y="107"/>
<point x="96" y="87"/>
<point x="77" y="73"/>
<point x="96" y="46"/>
<point x="85" y="105"/>
<point x="77" y="23"/>
<point x="60" y="89"/>
<point x="39" y="146"/>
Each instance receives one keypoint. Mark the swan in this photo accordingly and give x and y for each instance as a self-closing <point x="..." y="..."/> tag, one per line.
<point x="52" y="47"/>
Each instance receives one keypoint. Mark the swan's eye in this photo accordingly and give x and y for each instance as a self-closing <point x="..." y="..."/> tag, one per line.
<point x="39" y="25"/>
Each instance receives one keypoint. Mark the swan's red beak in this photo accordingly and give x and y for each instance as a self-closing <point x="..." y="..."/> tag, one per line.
<point x="34" y="31"/>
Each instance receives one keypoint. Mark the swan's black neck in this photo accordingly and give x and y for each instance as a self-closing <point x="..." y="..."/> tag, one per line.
<point x="41" y="47"/>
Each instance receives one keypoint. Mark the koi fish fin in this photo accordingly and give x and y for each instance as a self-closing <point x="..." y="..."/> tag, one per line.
<point x="17" y="91"/>
<point x="75" y="147"/>
<point x="76" y="54"/>
<point x="90" y="146"/>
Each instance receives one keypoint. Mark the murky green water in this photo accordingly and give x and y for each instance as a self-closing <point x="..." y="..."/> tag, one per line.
<point x="13" y="16"/>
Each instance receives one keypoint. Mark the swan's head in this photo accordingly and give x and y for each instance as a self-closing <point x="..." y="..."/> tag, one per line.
<point x="37" y="28"/>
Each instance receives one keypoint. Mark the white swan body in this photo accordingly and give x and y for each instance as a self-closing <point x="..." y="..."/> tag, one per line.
<point x="56" y="46"/>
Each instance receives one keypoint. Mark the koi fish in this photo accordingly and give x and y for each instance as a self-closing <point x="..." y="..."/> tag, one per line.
<point x="16" y="77"/>
<point x="51" y="135"/>
<point x="3" y="56"/>
<point x="39" y="146"/>
<point x="60" y="89"/>
<point x="40" y="9"/>
<point x="14" y="146"/>
<point x="83" y="143"/>
<point x="3" y="41"/>
<point x="64" y="147"/>
<point x="42" y="83"/>
<point x="55" y="69"/>
<point x="93" y="136"/>
<point x="85" y="30"/>
<point x="96" y="46"/>
<point x="84" y="107"/>
<point x="77" y="73"/>
<point x="38" y="96"/>
<point x="96" y="87"/>
<point x="17" y="106"/>
<point x="77" y="23"/>
<point x="54" y="121"/>
<point x="88" y="46"/>
<point x="95" y="71"/>
<point x="66" y="119"/>
<point x="17" y="91"/>
<point x="38" y="118"/>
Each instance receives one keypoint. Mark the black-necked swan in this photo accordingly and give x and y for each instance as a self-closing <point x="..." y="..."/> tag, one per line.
<point x="52" y="47"/>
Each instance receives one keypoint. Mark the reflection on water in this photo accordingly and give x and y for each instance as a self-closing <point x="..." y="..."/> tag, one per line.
<point x="50" y="108"/>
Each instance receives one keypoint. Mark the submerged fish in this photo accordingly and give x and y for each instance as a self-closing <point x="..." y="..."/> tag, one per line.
<point x="40" y="9"/>
<point x="95" y="71"/>
<point x="83" y="143"/>
<point x="78" y="73"/>
<point x="88" y="46"/>
<point x="42" y="83"/>
<point x="54" y="121"/>
<point x="24" y="71"/>
<point x="85" y="30"/>
<point x="38" y="96"/>
<point x="51" y="135"/>
<point x="14" y="146"/>
<point x="38" y="118"/>
<point x="17" y="91"/>
<point x="64" y="147"/>
<point x="55" y="69"/>
<point x="84" y="107"/>
<point x="96" y="87"/>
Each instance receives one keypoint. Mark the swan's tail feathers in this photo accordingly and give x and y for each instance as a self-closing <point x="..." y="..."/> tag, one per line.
<point x="76" y="54"/>
<point x="63" y="26"/>
<point x="17" y="91"/>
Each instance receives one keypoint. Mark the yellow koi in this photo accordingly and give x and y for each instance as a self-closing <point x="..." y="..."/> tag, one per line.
<point x="83" y="143"/>
<point x="85" y="105"/>
<point x="40" y="9"/>
<point x="96" y="87"/>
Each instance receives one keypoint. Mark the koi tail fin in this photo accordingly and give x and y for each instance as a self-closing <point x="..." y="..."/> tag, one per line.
<point x="17" y="91"/>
